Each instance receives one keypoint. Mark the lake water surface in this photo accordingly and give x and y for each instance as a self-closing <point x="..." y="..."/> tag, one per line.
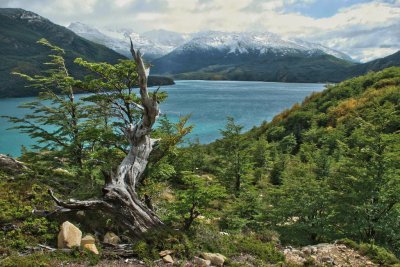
<point x="208" y="102"/>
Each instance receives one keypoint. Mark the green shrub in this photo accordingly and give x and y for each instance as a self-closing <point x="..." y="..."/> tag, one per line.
<point x="163" y="239"/>
<point x="142" y="250"/>
<point x="208" y="238"/>
<point x="378" y="254"/>
<point x="264" y="251"/>
<point x="348" y="242"/>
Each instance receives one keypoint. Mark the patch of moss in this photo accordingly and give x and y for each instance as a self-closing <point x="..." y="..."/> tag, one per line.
<point x="163" y="239"/>
<point x="57" y="258"/>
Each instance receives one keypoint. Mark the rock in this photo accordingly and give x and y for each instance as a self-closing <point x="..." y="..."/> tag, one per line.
<point x="313" y="257"/>
<point x="201" y="262"/>
<point x="326" y="255"/>
<point x="111" y="238"/>
<point x="168" y="259"/>
<point x="80" y="213"/>
<point x="166" y="252"/>
<point x="10" y="165"/>
<point x="214" y="258"/>
<point x="69" y="236"/>
<point x="328" y="260"/>
<point x="88" y="242"/>
<point x="307" y="250"/>
<point x="224" y="233"/>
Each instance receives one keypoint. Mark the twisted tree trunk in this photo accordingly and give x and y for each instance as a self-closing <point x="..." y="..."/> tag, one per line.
<point x="119" y="193"/>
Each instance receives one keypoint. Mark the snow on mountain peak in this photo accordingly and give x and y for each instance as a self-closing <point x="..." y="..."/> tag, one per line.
<point x="257" y="42"/>
<point x="157" y="43"/>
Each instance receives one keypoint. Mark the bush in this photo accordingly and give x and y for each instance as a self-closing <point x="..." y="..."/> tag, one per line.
<point x="264" y="251"/>
<point x="163" y="239"/>
<point x="378" y="254"/>
<point x="207" y="238"/>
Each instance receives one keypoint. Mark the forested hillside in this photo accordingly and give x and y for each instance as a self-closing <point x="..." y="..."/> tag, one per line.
<point x="272" y="67"/>
<point x="325" y="170"/>
<point x="19" y="32"/>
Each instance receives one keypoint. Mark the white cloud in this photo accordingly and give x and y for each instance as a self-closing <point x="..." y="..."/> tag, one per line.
<point x="365" y="31"/>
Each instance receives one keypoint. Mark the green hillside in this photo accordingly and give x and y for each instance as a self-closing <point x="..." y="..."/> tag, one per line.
<point x="323" y="68"/>
<point x="325" y="171"/>
<point x="271" y="68"/>
<point x="331" y="164"/>
<point x="19" y="32"/>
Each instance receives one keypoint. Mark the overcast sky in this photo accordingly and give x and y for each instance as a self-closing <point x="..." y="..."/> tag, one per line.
<point x="363" y="29"/>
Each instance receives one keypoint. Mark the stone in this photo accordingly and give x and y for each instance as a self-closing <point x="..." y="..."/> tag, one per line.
<point x="88" y="239"/>
<point x="214" y="258"/>
<point x="88" y="242"/>
<point x="69" y="236"/>
<point x="80" y="213"/>
<point x="168" y="259"/>
<point x="166" y="252"/>
<point x="307" y="250"/>
<point x="201" y="262"/>
<point x="327" y="260"/>
<point x="313" y="257"/>
<point x="10" y="165"/>
<point x="224" y="233"/>
<point x="111" y="238"/>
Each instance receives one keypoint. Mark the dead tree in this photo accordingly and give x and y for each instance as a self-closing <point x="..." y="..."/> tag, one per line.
<point x="119" y="192"/>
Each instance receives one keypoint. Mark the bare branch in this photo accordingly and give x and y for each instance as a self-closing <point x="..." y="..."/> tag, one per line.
<point x="79" y="205"/>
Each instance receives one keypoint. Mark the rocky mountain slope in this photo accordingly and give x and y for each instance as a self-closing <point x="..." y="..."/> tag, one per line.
<point x="153" y="44"/>
<point x="213" y="55"/>
<point x="158" y="43"/>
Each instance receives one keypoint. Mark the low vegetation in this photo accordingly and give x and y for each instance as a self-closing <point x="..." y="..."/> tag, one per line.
<point x="326" y="169"/>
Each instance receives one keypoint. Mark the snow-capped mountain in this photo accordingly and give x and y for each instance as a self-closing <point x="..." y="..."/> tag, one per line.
<point x="251" y="56"/>
<point x="152" y="44"/>
<point x="167" y="38"/>
<point x="254" y="42"/>
<point x="157" y="43"/>
<point x="324" y="49"/>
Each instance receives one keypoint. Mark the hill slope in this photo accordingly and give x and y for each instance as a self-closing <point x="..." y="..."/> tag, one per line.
<point x="331" y="160"/>
<point x="376" y="65"/>
<point x="262" y="57"/>
<point x="19" y="32"/>
<point x="253" y="56"/>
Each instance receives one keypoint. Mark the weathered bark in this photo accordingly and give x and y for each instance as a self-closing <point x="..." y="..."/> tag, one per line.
<point x="119" y="193"/>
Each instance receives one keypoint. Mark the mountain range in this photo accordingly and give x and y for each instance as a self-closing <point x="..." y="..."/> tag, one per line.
<point x="213" y="55"/>
<point x="153" y="44"/>
<point x="157" y="43"/>
<point x="253" y="56"/>
<point x="19" y="32"/>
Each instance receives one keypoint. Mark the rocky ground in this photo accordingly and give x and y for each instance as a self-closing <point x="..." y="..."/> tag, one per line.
<point x="326" y="255"/>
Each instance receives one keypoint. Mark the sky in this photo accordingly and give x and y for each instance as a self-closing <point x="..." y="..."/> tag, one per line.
<point x="365" y="30"/>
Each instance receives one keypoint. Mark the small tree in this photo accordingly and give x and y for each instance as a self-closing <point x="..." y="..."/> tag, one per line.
<point x="116" y="119"/>
<point x="56" y="120"/>
<point x="195" y="197"/>
<point x="235" y="155"/>
<point x="135" y="117"/>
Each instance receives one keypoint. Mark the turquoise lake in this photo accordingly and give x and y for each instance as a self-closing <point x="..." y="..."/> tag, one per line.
<point x="208" y="102"/>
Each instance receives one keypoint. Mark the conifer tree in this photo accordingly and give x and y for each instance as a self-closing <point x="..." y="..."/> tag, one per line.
<point x="57" y="118"/>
